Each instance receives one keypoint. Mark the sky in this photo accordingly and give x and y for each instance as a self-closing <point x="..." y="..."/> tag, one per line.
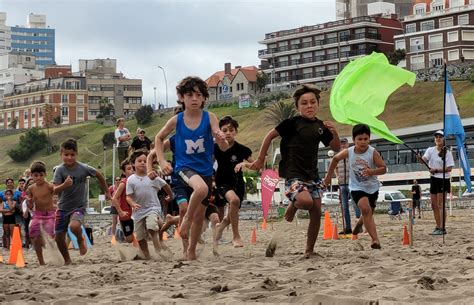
<point x="185" y="37"/>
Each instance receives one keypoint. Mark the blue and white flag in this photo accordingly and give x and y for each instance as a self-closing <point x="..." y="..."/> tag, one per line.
<point x="453" y="126"/>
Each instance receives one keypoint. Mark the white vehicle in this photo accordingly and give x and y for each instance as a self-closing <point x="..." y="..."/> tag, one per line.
<point x="330" y="198"/>
<point x="91" y="211"/>
<point x="106" y="210"/>
<point x="425" y="195"/>
<point x="389" y="196"/>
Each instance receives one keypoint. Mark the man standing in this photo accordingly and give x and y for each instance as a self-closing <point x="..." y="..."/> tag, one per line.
<point x="344" y="194"/>
<point x="416" y="195"/>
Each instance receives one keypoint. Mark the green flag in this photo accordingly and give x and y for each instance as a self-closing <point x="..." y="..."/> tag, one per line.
<point x="361" y="90"/>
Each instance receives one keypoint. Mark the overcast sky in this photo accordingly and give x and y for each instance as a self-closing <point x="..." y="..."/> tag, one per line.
<point x="186" y="37"/>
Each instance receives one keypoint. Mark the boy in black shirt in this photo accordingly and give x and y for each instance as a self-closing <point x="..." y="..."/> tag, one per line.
<point x="229" y="177"/>
<point x="300" y="138"/>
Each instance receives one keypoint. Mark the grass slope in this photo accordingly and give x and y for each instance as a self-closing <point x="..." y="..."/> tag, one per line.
<point x="408" y="106"/>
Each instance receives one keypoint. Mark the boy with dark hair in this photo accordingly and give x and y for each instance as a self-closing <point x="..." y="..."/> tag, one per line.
<point x="365" y="164"/>
<point x="8" y="210"/>
<point x="70" y="181"/>
<point x="119" y="201"/>
<point x="40" y="201"/>
<point x="229" y="176"/>
<point x="142" y="196"/>
<point x="194" y="143"/>
<point x="300" y="138"/>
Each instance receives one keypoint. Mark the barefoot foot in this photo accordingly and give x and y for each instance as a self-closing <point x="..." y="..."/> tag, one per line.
<point x="237" y="242"/>
<point x="290" y="212"/>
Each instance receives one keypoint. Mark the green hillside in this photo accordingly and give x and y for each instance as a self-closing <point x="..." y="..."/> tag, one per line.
<point x="420" y="105"/>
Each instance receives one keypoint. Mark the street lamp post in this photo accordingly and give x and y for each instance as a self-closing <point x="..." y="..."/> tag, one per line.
<point x="154" y="88"/>
<point x="166" y="84"/>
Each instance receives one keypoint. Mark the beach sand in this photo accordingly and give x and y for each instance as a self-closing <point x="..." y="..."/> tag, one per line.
<point x="343" y="272"/>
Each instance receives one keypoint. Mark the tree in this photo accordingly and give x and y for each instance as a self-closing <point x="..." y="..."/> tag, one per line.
<point x="105" y="107"/>
<point x="395" y="57"/>
<point x="144" y="115"/>
<point x="13" y="123"/>
<point x="262" y="80"/>
<point x="108" y="139"/>
<point x="278" y="112"/>
<point x="31" y="142"/>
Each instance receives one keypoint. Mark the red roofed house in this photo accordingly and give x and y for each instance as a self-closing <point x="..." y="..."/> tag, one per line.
<point x="231" y="83"/>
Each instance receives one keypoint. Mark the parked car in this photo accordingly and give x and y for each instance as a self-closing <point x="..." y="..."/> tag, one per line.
<point x="425" y="195"/>
<point x="330" y="198"/>
<point x="389" y="196"/>
<point x="91" y="211"/>
<point x="106" y="210"/>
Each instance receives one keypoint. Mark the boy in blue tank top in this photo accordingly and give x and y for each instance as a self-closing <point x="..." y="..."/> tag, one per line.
<point x="365" y="164"/>
<point x="194" y="148"/>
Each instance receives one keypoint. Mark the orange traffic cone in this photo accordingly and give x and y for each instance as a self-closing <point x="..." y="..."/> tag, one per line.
<point x="406" y="239"/>
<point x="253" y="238"/>
<point x="135" y="241"/>
<point x="335" y="235"/>
<point x="354" y="237"/>
<point x="113" y="241"/>
<point x="15" y="246"/>
<point x="264" y="224"/>
<point x="20" y="261"/>
<point x="1" y="258"/>
<point x="165" y="236"/>
<point x="327" y="233"/>
<point x="176" y="233"/>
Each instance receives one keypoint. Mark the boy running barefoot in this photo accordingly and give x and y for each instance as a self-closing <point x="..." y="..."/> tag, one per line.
<point x="300" y="138"/>
<point x="365" y="164"/>
<point x="142" y="196"/>
<point x="70" y="181"/>
<point x="40" y="201"/>
<point x="119" y="201"/>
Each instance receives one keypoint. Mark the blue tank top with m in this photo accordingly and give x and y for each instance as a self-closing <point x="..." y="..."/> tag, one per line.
<point x="194" y="148"/>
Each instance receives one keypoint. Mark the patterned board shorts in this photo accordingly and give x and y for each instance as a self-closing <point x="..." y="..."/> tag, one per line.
<point x="63" y="219"/>
<point x="295" y="186"/>
<point x="44" y="219"/>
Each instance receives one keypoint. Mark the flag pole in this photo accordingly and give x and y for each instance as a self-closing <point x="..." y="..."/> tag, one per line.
<point x="417" y="154"/>
<point x="443" y="152"/>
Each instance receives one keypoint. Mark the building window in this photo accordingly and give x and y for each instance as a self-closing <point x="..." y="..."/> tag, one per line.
<point x="463" y="19"/>
<point x="436" y="59"/>
<point x="400" y="44"/>
<point x="453" y="54"/>
<point x="64" y="111"/>
<point x="435" y="41"/>
<point x="417" y="62"/>
<point x="454" y="3"/>
<point x="64" y="98"/>
<point x="468" y="35"/>
<point x="453" y="36"/>
<point x="80" y="99"/>
<point x="437" y="6"/>
<point x="417" y="44"/>
<point x="410" y="28"/>
<point x="27" y="58"/>
<point x="446" y="22"/>
<point x="80" y="113"/>
<point x="427" y="25"/>
<point x="468" y="54"/>
<point x="420" y="8"/>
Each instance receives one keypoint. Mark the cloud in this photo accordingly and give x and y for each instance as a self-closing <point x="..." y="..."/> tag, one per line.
<point x="185" y="37"/>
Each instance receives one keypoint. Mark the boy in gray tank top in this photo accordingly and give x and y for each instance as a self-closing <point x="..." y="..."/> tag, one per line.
<point x="365" y="164"/>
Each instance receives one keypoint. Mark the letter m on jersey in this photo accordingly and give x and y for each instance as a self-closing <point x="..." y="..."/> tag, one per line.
<point x="194" y="147"/>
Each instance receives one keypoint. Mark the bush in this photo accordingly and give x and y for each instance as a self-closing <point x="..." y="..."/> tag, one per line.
<point x="472" y="77"/>
<point x="108" y="139"/>
<point x="144" y="115"/>
<point x="32" y="141"/>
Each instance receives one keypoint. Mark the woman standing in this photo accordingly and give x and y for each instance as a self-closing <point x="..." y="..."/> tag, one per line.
<point x="123" y="136"/>
<point x="439" y="170"/>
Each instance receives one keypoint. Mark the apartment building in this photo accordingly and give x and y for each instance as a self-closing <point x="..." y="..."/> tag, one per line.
<point x="316" y="54"/>
<point x="5" y="34"/>
<point x="26" y="104"/>
<point x="36" y="38"/>
<point x="230" y="83"/>
<point x="105" y="83"/>
<point x="346" y="9"/>
<point x="436" y="31"/>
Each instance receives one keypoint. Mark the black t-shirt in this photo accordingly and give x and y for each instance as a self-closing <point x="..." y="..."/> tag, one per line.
<point x="299" y="146"/>
<point x="226" y="162"/>
<point x="137" y="143"/>
<point x="417" y="190"/>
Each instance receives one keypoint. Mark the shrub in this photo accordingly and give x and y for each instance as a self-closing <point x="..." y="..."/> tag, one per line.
<point x="108" y="139"/>
<point x="472" y="76"/>
<point x="144" y="115"/>
<point x="32" y="141"/>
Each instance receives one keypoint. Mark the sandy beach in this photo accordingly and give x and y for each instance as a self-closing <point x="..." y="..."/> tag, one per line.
<point x="344" y="272"/>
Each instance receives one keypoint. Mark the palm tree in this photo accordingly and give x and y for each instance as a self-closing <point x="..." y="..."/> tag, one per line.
<point x="278" y="112"/>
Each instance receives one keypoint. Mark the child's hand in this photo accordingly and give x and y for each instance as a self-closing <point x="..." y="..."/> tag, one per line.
<point x="152" y="174"/>
<point x="256" y="165"/>
<point x="136" y="206"/>
<point x="366" y="172"/>
<point x="68" y="181"/>
<point x="123" y="213"/>
<point x="330" y="125"/>
<point x="166" y="168"/>
<point x="107" y="196"/>
<point x="327" y="181"/>
<point x="239" y="167"/>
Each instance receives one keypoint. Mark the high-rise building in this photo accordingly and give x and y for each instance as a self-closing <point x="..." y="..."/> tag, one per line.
<point x="316" y="54"/>
<point x="5" y="35"/>
<point x="105" y="84"/>
<point x="36" y="38"/>
<point x="356" y="8"/>
<point x="436" y="31"/>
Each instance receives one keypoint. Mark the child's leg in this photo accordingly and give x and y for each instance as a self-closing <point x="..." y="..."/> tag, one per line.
<point x="233" y="215"/>
<point x="169" y="221"/>
<point x="368" y="219"/>
<point x="76" y="229"/>
<point x="196" y="229"/>
<point x="313" y="227"/>
<point x="6" y="236"/>
<point x="114" y="223"/>
<point x="200" y="192"/>
<point x="183" y="208"/>
<point x="302" y="200"/>
<point x="38" y="243"/>
<point x="62" y="246"/>
<point x="435" y="207"/>
<point x="141" y="233"/>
